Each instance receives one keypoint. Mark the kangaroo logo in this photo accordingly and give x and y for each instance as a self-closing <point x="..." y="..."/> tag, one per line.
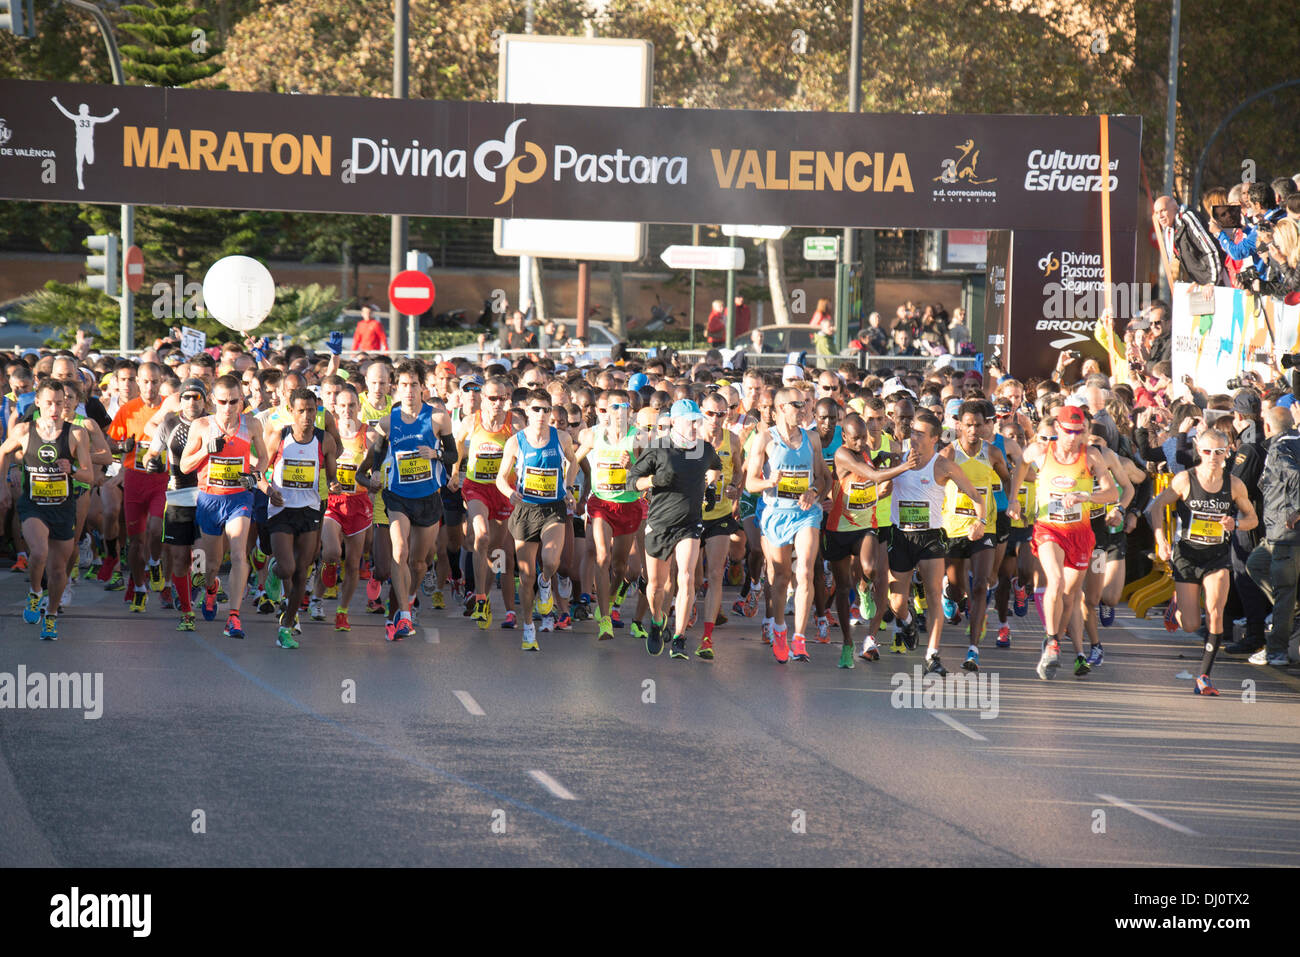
<point x="963" y="167"/>
<point x="514" y="173"/>
<point x="1049" y="264"/>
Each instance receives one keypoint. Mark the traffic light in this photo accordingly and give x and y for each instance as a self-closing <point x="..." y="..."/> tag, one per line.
<point x="17" y="17"/>
<point x="108" y="279"/>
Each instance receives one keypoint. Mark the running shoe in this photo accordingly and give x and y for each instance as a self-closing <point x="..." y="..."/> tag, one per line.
<point x="20" y="565"/>
<point x="721" y="619"/>
<point x="430" y="582"/>
<point x="751" y="603"/>
<point x="920" y="624"/>
<point x="1004" y="637"/>
<point x="738" y="607"/>
<point x="823" y="631"/>
<point x="1171" y="621"/>
<point x="637" y="631"/>
<point x="798" y="649"/>
<point x="767" y="632"/>
<point x="1050" y="660"/>
<point x="264" y="604"/>
<point x="509" y="620"/>
<point x="605" y="630"/>
<point x="530" y="638"/>
<point x="403" y="628"/>
<point x="156" y="581"/>
<point x="50" y="629"/>
<point x="1205" y="686"/>
<point x="580" y="610"/>
<point x="564" y="623"/>
<point x="316" y="609"/>
<point x="32" y="613"/>
<point x="934" y="667"/>
<point x="233" y="628"/>
<point x="1095" y="654"/>
<point x="616" y="618"/>
<point x="544" y="601"/>
<point x="198" y="581"/>
<point x="950" y="613"/>
<point x="209" y="604"/>
<point x="138" y="602"/>
<point x="470" y="609"/>
<point x="330" y="591"/>
<point x="284" y="638"/>
<point x="867" y="603"/>
<point x="846" y="656"/>
<point x="972" y="662"/>
<point x="341" y="622"/>
<point x="164" y="599"/>
<point x="187" y="622"/>
<point x="1081" y="666"/>
<point x="390" y="631"/>
<point x="705" y="650"/>
<point x="897" y="647"/>
<point x="780" y="648"/>
<point x="548" y="623"/>
<point x="364" y="572"/>
<point x="221" y="592"/>
<point x="91" y="572"/>
<point x="654" y="639"/>
<point x="908" y="634"/>
<point x="297" y="626"/>
<point x="870" y="650"/>
<point x="438" y="599"/>
<point x="1020" y="601"/>
<point x="1105" y="615"/>
<point x="374" y="588"/>
<point x="116" y="583"/>
<point x="678" y="649"/>
<point x="855" y="616"/>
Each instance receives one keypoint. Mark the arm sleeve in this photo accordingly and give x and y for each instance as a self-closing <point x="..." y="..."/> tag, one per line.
<point x="95" y="409"/>
<point x="449" y="449"/>
<point x="644" y="465"/>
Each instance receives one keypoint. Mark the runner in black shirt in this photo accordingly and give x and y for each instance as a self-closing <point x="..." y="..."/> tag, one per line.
<point x="676" y="472"/>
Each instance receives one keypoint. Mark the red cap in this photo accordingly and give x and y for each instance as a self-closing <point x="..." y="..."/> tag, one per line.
<point x="1072" y="416"/>
<point x="447" y="367"/>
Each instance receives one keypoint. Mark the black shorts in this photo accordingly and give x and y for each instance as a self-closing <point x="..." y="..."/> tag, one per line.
<point x="1003" y="531"/>
<point x="1017" y="537"/>
<point x="530" y="519"/>
<point x="726" y="525"/>
<point x="909" y="549"/>
<point x="884" y="534"/>
<point x="1114" y="544"/>
<point x="840" y="545"/>
<point x="453" y="506"/>
<point x="423" y="512"/>
<point x="295" y="521"/>
<point x="178" y="525"/>
<point x="1191" y="563"/>
<point x="61" y="520"/>
<point x="661" y="543"/>
<point x="579" y="527"/>
<point x="963" y="547"/>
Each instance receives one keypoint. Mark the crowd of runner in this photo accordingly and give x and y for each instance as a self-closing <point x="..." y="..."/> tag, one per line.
<point x="844" y="506"/>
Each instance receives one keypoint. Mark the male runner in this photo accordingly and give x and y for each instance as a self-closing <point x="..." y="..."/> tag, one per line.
<point x="720" y="523"/>
<point x="349" y="513"/>
<point x="144" y="494"/>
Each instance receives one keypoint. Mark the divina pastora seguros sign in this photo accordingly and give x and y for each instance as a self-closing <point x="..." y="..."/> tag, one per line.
<point x="65" y="142"/>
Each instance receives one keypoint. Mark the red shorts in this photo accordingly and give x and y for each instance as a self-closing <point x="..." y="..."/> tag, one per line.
<point x="144" y="495"/>
<point x="353" y="513"/>
<point x="498" y="506"/>
<point x="623" y="517"/>
<point x="1077" y="541"/>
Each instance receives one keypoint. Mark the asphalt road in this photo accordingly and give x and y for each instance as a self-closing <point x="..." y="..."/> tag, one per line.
<point x="460" y="749"/>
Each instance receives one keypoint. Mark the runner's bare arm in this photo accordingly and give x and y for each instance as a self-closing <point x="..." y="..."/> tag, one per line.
<point x="505" y="474"/>
<point x="80" y="441"/>
<point x="754" y="481"/>
<point x="100" y="453"/>
<point x="331" y="465"/>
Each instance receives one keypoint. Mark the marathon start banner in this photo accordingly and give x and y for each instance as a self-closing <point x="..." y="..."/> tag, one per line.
<point x="64" y="142"/>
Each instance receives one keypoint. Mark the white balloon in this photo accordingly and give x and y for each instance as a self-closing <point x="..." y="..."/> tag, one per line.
<point x="238" y="292"/>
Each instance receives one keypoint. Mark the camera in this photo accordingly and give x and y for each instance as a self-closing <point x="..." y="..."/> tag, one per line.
<point x="1291" y="360"/>
<point x="1236" y="383"/>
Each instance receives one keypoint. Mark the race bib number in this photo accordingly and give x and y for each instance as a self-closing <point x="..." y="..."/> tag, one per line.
<point x="1058" y="513"/>
<point x="413" y="467"/>
<point x="914" y="516"/>
<point x="791" y="483"/>
<point x="965" y="507"/>
<point x="610" y="477"/>
<point x="47" y="488"/>
<point x="141" y="448"/>
<point x="487" y="462"/>
<point x="541" y="483"/>
<point x="1023" y="498"/>
<point x="1206" y="529"/>
<point x="298" y="473"/>
<point x="862" y="495"/>
<point x="346" y="474"/>
<point x="225" y="472"/>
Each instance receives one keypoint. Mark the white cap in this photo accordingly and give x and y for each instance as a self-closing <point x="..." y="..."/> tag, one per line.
<point x="791" y="373"/>
<point x="943" y="362"/>
<point x="1077" y="400"/>
<point x="894" y="385"/>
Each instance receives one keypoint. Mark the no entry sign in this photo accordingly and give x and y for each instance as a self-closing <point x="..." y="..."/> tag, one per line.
<point x="134" y="268"/>
<point x="411" y="292"/>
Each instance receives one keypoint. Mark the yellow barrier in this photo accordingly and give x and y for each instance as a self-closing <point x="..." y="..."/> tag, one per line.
<point x="1157" y="587"/>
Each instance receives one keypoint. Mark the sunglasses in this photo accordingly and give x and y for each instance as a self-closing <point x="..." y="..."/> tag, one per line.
<point x="1070" y="431"/>
<point x="227" y="401"/>
<point x="795" y="405"/>
<point x="470" y="388"/>
<point x="192" y="397"/>
<point x="1215" y="452"/>
<point x="716" y="415"/>
<point x="615" y="406"/>
<point x="539" y="409"/>
<point x="496" y="398"/>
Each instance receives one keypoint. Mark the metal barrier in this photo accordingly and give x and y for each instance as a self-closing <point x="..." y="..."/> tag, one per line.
<point x="1157" y="586"/>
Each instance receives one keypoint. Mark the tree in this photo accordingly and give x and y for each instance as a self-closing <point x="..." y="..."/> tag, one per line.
<point x="177" y="48"/>
<point x="65" y="308"/>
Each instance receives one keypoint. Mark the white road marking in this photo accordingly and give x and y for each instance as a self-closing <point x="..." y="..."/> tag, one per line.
<point x="552" y="785"/>
<point x="957" y="725"/>
<point x="1149" y="815"/>
<point x="470" y="704"/>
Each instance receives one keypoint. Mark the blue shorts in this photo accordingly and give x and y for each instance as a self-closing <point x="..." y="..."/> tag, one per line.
<point x="780" y="526"/>
<point x="260" y="504"/>
<point x="212" y="512"/>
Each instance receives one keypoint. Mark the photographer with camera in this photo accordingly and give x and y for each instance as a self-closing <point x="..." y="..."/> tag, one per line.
<point x="1257" y="208"/>
<point x="1281" y="249"/>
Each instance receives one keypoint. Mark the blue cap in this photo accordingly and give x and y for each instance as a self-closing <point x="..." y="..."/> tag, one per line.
<point x="685" y="409"/>
<point x="637" y="382"/>
<point x="1285" y="401"/>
